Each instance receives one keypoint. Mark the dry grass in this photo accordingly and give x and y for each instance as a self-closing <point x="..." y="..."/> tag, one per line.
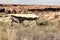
<point x="39" y="29"/>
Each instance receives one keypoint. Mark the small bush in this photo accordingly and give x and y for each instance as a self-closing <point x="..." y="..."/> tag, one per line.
<point x="44" y="22"/>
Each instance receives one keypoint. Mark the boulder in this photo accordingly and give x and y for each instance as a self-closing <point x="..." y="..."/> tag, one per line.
<point x="49" y="16"/>
<point x="25" y="15"/>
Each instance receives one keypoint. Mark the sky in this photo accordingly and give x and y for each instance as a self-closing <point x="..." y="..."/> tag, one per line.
<point x="47" y="2"/>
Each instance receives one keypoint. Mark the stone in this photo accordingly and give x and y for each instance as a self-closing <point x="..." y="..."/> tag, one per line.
<point x="49" y="16"/>
<point x="25" y="15"/>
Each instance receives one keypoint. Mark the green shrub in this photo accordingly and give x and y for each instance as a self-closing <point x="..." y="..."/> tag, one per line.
<point x="43" y="22"/>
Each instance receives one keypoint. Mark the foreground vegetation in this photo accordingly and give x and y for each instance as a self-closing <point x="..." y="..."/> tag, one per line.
<point x="39" y="29"/>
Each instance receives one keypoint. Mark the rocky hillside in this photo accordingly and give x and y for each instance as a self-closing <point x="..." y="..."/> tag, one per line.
<point x="29" y="22"/>
<point x="17" y="8"/>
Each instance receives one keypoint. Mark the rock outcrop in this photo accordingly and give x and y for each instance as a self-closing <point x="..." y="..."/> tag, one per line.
<point x="17" y="9"/>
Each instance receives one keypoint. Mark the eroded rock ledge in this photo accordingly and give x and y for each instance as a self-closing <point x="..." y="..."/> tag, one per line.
<point x="18" y="8"/>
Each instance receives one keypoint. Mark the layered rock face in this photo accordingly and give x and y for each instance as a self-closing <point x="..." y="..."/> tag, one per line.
<point x="17" y="9"/>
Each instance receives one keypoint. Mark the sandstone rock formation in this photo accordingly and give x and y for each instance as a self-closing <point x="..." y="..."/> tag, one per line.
<point x="17" y="9"/>
<point x="24" y="15"/>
